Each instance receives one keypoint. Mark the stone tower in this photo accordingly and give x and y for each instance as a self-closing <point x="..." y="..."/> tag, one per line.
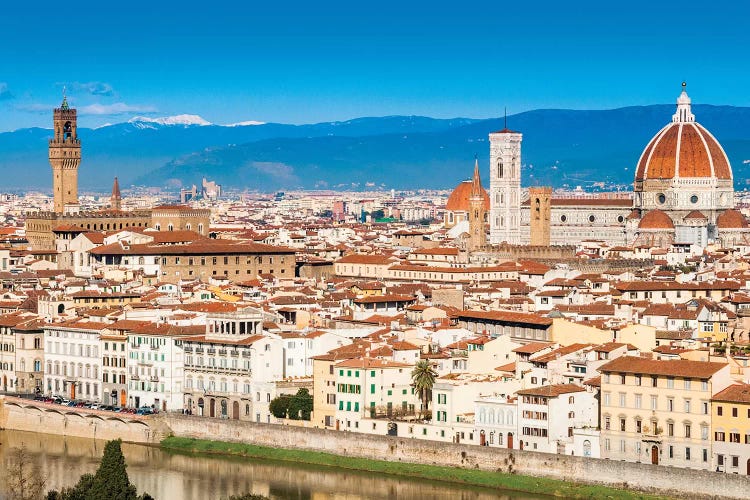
<point x="505" y="187"/>
<point x="540" y="199"/>
<point x="477" y="213"/>
<point x="65" y="157"/>
<point x="116" y="200"/>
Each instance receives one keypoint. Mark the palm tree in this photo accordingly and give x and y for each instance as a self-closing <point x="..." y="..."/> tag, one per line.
<point x="423" y="378"/>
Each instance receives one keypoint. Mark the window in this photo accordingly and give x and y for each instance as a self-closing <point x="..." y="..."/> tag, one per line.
<point x="719" y="436"/>
<point x="670" y="382"/>
<point x="687" y="384"/>
<point x="734" y="412"/>
<point x="735" y="461"/>
<point x="654" y="400"/>
<point x="622" y="424"/>
<point x="719" y="410"/>
<point x="670" y="429"/>
<point x="687" y="453"/>
<point x="734" y="437"/>
<point x="704" y="407"/>
<point x="670" y="405"/>
<point x="637" y="400"/>
<point x="622" y="400"/>
<point x="687" y="406"/>
<point x="687" y="431"/>
<point x="705" y="455"/>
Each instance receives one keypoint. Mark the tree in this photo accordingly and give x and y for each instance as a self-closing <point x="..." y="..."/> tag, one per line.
<point x="423" y="378"/>
<point x="24" y="476"/>
<point x="111" y="479"/>
<point x="279" y="406"/>
<point x="297" y="407"/>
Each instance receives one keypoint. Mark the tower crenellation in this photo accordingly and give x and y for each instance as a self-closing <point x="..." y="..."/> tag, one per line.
<point x="65" y="158"/>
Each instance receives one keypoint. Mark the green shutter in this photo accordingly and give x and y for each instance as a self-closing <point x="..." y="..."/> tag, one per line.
<point x="372" y="390"/>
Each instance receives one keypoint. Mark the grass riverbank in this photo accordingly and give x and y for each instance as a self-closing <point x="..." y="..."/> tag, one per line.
<point x="473" y="477"/>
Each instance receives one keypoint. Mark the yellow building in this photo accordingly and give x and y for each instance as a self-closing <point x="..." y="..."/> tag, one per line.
<point x="658" y="411"/>
<point x="730" y="426"/>
<point x="324" y="383"/>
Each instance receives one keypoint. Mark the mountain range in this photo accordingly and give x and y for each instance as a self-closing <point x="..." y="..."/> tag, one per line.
<point x="560" y="148"/>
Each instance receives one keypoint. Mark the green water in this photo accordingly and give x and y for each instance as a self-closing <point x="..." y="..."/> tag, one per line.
<point x="168" y="476"/>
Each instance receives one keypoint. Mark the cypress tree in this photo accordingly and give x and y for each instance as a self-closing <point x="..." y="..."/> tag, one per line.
<point x="111" y="479"/>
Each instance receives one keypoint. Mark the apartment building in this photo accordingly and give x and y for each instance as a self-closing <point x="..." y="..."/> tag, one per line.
<point x="73" y="360"/>
<point x="659" y="411"/>
<point x="730" y="429"/>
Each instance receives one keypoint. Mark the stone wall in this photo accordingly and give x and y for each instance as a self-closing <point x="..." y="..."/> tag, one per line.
<point x="31" y="416"/>
<point x="682" y="483"/>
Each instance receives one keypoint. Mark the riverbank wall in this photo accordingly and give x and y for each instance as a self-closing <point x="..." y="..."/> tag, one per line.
<point x="34" y="416"/>
<point x="681" y="483"/>
<point x="37" y="417"/>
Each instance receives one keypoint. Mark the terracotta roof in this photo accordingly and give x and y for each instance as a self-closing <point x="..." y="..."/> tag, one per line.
<point x="506" y="317"/>
<point x="695" y="214"/>
<point x="731" y="219"/>
<point x="358" y="258"/>
<point x="458" y="201"/>
<point x="656" y="219"/>
<point x="377" y="299"/>
<point x="674" y="368"/>
<point x="532" y="347"/>
<point x="371" y="363"/>
<point x="736" y="393"/>
<point x="201" y="247"/>
<point x="683" y="149"/>
<point x="551" y="391"/>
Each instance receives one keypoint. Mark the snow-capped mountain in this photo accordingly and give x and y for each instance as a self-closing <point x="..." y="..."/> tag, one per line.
<point x="245" y="123"/>
<point x="185" y="120"/>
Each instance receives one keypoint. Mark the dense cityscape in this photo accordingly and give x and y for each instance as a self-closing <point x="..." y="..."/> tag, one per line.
<point x="607" y="325"/>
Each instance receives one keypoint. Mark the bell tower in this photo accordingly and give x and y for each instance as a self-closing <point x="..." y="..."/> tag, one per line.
<point x="477" y="212"/>
<point x="65" y="157"/>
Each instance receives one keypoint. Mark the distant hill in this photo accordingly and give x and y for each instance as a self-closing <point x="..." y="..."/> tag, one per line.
<point x="560" y="147"/>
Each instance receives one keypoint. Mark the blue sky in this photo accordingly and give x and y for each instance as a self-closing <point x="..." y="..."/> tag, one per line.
<point x="303" y="62"/>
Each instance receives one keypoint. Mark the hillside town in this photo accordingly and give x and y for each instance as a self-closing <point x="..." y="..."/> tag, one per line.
<point x="603" y="326"/>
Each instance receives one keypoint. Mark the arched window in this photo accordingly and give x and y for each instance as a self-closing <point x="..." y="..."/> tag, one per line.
<point x="170" y="227"/>
<point x="499" y="169"/>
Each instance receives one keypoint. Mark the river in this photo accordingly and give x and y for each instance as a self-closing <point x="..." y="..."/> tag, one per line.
<point x="173" y="476"/>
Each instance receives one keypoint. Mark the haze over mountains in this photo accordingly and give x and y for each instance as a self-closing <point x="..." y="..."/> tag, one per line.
<point x="560" y="147"/>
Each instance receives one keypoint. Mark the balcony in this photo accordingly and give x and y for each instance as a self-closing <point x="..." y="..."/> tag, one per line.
<point x="154" y="378"/>
<point x="198" y="350"/>
<point x="234" y="353"/>
<point x="222" y="352"/>
<point x="188" y="350"/>
<point x="245" y="354"/>
<point x="211" y="351"/>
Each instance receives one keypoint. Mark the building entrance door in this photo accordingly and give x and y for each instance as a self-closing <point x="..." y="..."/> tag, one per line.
<point x="655" y="455"/>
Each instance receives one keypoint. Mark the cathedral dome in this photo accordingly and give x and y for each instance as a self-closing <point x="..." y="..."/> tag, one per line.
<point x="458" y="201"/>
<point x="683" y="149"/>
<point x="731" y="219"/>
<point x="656" y="219"/>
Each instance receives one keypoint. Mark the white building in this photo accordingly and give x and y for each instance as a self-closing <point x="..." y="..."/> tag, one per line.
<point x="156" y="365"/>
<point x="549" y="415"/>
<point x="73" y="361"/>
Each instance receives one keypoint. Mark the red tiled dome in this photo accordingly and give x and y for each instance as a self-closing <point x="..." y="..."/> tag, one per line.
<point x="656" y="219"/>
<point x="731" y="219"/>
<point x="694" y="215"/>
<point x="458" y="201"/>
<point x="683" y="150"/>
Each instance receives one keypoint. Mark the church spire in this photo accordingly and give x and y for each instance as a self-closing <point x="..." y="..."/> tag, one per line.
<point x="116" y="200"/>
<point x="476" y="182"/>
<point x="684" y="114"/>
